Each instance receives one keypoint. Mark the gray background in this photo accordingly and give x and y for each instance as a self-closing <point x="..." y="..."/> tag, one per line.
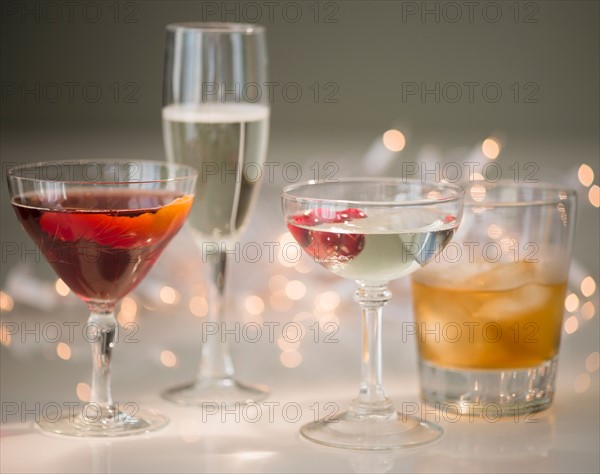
<point x="368" y="50"/>
<point x="374" y="47"/>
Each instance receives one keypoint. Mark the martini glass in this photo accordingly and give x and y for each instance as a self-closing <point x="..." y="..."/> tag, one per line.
<point x="102" y="226"/>
<point x="372" y="231"/>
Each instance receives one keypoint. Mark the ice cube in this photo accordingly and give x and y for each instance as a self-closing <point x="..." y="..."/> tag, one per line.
<point x="501" y="276"/>
<point x="516" y="304"/>
<point x="446" y="274"/>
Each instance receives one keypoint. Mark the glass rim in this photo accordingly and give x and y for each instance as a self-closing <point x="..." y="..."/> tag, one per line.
<point x="216" y="27"/>
<point x="459" y="193"/>
<point x="11" y="172"/>
<point x="557" y="194"/>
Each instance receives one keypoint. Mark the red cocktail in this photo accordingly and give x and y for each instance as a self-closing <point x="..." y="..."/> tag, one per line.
<point x="103" y="244"/>
<point x="101" y="226"/>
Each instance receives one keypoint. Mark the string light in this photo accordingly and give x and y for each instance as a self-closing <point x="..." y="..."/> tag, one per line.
<point x="594" y="196"/>
<point x="491" y="148"/>
<point x="572" y="303"/>
<point x="585" y="174"/>
<point x="6" y="302"/>
<point x="63" y="350"/>
<point x="83" y="391"/>
<point x="295" y="290"/>
<point x="277" y="282"/>
<point x="198" y="306"/>
<point x="582" y="382"/>
<point x="592" y="362"/>
<point x="5" y="336"/>
<point x="327" y="301"/>
<point x="168" y="359"/>
<point x="588" y="310"/>
<point x="478" y="192"/>
<point x="394" y="140"/>
<point x="61" y="287"/>
<point x="290" y="359"/>
<point x="280" y="302"/>
<point x="254" y="304"/>
<point x="588" y="286"/>
<point x="571" y="325"/>
<point x="128" y="311"/>
<point x="168" y="295"/>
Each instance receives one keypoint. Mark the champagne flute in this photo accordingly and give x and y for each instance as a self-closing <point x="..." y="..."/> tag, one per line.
<point x="102" y="225"/>
<point x="372" y="230"/>
<point x="216" y="119"/>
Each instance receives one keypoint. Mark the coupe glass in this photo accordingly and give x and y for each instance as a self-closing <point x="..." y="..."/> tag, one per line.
<point x="216" y="118"/>
<point x="372" y="231"/>
<point x="102" y="226"/>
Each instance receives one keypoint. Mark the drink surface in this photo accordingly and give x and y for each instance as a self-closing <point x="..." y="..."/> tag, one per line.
<point x="489" y="316"/>
<point x="103" y="242"/>
<point x="374" y="248"/>
<point x="227" y="144"/>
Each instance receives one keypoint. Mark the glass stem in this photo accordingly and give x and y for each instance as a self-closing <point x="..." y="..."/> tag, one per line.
<point x="102" y="330"/>
<point x="371" y="401"/>
<point x="215" y="362"/>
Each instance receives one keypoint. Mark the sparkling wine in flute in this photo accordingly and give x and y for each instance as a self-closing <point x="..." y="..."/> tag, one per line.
<point x="227" y="144"/>
<point x="210" y="124"/>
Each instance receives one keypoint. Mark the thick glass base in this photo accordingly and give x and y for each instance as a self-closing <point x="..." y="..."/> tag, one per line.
<point x="489" y="392"/>
<point x="224" y="392"/>
<point x="348" y="431"/>
<point x="107" y="425"/>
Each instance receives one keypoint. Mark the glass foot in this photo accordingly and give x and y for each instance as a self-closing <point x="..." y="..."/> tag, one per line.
<point x="346" y="431"/>
<point x="119" y="423"/>
<point x="221" y="392"/>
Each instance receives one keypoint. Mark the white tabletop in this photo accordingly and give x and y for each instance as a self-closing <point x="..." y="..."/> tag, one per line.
<point x="35" y="378"/>
<point x="561" y="439"/>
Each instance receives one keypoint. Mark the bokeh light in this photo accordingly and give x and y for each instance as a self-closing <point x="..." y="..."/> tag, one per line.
<point x="168" y="358"/>
<point x="594" y="196"/>
<point x="290" y="359"/>
<point x="83" y="391"/>
<point x="588" y="310"/>
<point x="277" y="282"/>
<point x="254" y="304"/>
<point x="5" y="336"/>
<point x="572" y="303"/>
<point x="198" y="306"/>
<point x="168" y="295"/>
<point x="592" y="362"/>
<point x="280" y="302"/>
<point x="6" y="302"/>
<point x="327" y="301"/>
<point x="295" y="290"/>
<point x="63" y="350"/>
<point x="128" y="311"/>
<point x="491" y="148"/>
<point x="394" y="140"/>
<point x="585" y="174"/>
<point x="571" y="325"/>
<point x="582" y="382"/>
<point x="477" y="192"/>
<point x="61" y="287"/>
<point x="588" y="286"/>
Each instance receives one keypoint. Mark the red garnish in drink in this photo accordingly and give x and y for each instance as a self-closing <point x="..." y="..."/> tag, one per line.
<point x="324" y="245"/>
<point x="102" y="245"/>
